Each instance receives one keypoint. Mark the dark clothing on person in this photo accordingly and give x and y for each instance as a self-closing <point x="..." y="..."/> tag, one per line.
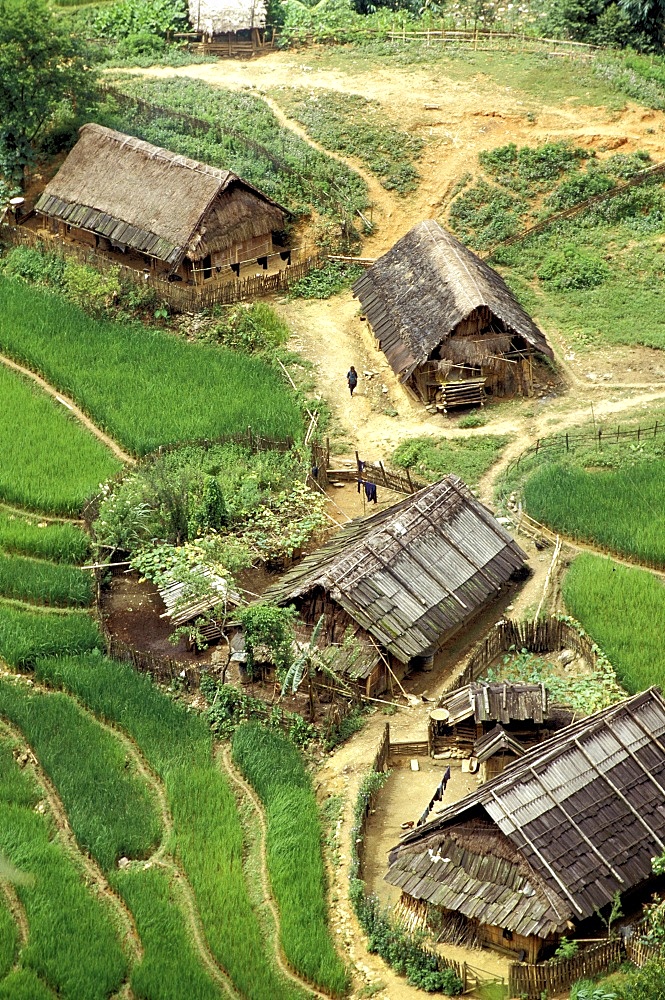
<point x="352" y="379"/>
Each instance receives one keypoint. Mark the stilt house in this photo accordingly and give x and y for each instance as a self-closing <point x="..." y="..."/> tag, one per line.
<point x="533" y="853"/>
<point x="170" y="215"/>
<point x="229" y="27"/>
<point x="407" y="578"/>
<point x="447" y="322"/>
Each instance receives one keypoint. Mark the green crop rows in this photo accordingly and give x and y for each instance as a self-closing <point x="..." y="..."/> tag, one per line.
<point x="26" y="634"/>
<point x="43" y="582"/>
<point x="49" y="461"/>
<point x="355" y="126"/>
<point x="623" y="608"/>
<point x="24" y="534"/>
<point x="293" y="173"/>
<point x="275" y="768"/>
<point x="144" y="387"/>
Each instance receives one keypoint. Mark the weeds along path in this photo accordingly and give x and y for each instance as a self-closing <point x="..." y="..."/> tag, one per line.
<point x="223" y="756"/>
<point x="72" y="407"/>
<point x="93" y="874"/>
<point x="17" y="911"/>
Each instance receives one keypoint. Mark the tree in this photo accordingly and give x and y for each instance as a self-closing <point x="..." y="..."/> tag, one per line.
<point x="647" y="17"/>
<point x="41" y="69"/>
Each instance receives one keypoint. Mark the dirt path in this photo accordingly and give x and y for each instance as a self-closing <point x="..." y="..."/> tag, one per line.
<point x="245" y="789"/>
<point x="72" y="407"/>
<point x="17" y="911"/>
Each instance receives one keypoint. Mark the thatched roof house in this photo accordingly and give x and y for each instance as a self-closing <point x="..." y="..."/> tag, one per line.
<point x="441" y="315"/>
<point x="533" y="853"/>
<point x="410" y="576"/>
<point x="115" y="191"/>
<point x="218" y="17"/>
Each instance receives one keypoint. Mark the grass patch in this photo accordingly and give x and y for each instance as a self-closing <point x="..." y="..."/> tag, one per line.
<point x="144" y="387"/>
<point x="287" y="168"/>
<point x="24" y="985"/>
<point x="25" y="535"/>
<point x="110" y="808"/>
<point x="467" y="457"/>
<point x="25" y="635"/>
<point x="275" y="768"/>
<point x="43" y="582"/>
<point x="208" y="833"/>
<point x="329" y="279"/>
<point x="355" y="126"/>
<point x="170" y="969"/>
<point x="8" y="940"/>
<point x="623" y="609"/>
<point x="72" y="945"/>
<point x="49" y="461"/>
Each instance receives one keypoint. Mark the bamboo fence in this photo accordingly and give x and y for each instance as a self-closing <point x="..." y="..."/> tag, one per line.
<point x="600" y="437"/>
<point x="549" y="978"/>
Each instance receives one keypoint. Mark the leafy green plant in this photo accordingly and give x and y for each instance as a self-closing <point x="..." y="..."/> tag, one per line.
<point x="566" y="949"/>
<point x="268" y="627"/>
<point x="528" y="168"/>
<point x="275" y="768"/>
<point x="131" y="18"/>
<point x="573" y="268"/>
<point x="330" y="279"/>
<point x="485" y="214"/>
<point x="50" y="462"/>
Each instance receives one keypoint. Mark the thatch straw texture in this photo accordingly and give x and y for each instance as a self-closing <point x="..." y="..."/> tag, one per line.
<point x="573" y="821"/>
<point x="416" y="295"/>
<point x="154" y="201"/>
<point x="215" y="17"/>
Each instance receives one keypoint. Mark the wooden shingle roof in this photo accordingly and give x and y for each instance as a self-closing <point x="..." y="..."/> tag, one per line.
<point x="495" y="703"/>
<point x="141" y="196"/>
<point x="417" y="293"/>
<point x="577" y="819"/>
<point x="411" y="574"/>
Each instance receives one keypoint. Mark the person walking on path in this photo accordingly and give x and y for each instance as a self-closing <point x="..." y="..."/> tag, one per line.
<point x="352" y="379"/>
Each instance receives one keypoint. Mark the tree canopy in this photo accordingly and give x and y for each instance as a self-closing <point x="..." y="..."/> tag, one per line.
<point x="41" y="69"/>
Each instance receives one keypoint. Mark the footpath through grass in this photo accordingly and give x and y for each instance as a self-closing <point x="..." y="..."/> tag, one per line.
<point x="49" y="461"/>
<point x="274" y="766"/>
<point x="623" y="609"/>
<point x="142" y="386"/>
<point x="208" y="832"/>
<point x="466" y="457"/>
<point x="72" y="945"/>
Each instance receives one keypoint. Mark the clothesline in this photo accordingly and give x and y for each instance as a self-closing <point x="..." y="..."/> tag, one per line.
<point x="437" y="797"/>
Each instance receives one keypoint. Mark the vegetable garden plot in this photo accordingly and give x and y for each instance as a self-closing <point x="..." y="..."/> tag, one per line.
<point x="60" y="909"/>
<point x="49" y="461"/>
<point x="43" y="582"/>
<point x="623" y="610"/>
<point x="144" y="387"/>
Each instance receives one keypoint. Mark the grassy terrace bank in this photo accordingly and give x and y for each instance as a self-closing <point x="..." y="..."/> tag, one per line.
<point x="142" y="386"/>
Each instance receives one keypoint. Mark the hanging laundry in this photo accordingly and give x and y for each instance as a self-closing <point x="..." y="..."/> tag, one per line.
<point x="446" y="777"/>
<point x="423" y="818"/>
<point x="370" y="492"/>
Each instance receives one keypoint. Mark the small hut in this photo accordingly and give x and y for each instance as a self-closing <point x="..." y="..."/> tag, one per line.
<point x="410" y="577"/>
<point x="230" y="27"/>
<point x="160" y="212"/>
<point x="533" y="854"/>
<point x="467" y="714"/>
<point x="447" y="322"/>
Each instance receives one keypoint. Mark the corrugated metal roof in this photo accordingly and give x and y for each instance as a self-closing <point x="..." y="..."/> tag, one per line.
<point x="414" y="572"/>
<point x="585" y="811"/>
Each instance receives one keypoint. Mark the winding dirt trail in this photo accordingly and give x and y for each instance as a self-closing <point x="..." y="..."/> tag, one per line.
<point x="72" y="407"/>
<point x="223" y="756"/>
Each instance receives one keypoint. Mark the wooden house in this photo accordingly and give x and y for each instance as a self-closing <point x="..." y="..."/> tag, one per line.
<point x="167" y="214"/>
<point x="229" y="27"/>
<point x="533" y="853"/>
<point x="408" y="578"/>
<point x="493" y="751"/>
<point x="465" y="715"/>
<point x="447" y="322"/>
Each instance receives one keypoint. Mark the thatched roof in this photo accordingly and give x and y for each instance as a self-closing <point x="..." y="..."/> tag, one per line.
<point x="154" y="201"/>
<point x="416" y="294"/>
<point x="557" y="834"/>
<point x="494" y="703"/>
<point x="216" y="17"/>
<point x="412" y="574"/>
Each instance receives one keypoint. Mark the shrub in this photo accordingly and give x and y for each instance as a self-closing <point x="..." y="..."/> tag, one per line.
<point x="572" y="268"/>
<point x="33" y="265"/>
<point x="578" y="188"/>
<point x="331" y="278"/>
<point x="484" y="214"/>
<point x="90" y="289"/>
